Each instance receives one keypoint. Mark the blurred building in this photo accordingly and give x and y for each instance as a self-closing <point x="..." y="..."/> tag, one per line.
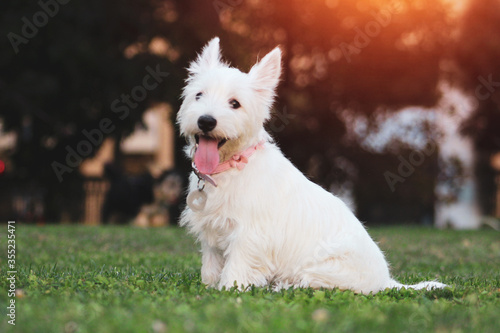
<point x="148" y="150"/>
<point x="457" y="201"/>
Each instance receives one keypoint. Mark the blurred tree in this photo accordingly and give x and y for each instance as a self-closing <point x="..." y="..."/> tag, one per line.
<point x="362" y="56"/>
<point x="477" y="53"/>
<point x="63" y="65"/>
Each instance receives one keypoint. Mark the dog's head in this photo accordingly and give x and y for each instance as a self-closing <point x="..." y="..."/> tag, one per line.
<point x="224" y="109"/>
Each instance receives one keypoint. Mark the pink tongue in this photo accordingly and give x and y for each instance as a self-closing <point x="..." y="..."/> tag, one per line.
<point x="206" y="156"/>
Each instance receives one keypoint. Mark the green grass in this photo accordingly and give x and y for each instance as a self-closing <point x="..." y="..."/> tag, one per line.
<point x="122" y="279"/>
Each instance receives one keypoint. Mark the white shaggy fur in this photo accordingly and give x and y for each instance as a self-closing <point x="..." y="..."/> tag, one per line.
<point x="267" y="224"/>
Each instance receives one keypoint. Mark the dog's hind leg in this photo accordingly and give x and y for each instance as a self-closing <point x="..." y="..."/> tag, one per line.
<point x="341" y="273"/>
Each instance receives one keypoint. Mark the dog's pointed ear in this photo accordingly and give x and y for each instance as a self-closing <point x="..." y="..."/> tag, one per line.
<point x="208" y="58"/>
<point x="266" y="73"/>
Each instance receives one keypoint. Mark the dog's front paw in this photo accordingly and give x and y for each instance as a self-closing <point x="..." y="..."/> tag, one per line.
<point x="209" y="280"/>
<point x="210" y="275"/>
<point x="241" y="279"/>
<point x="211" y="266"/>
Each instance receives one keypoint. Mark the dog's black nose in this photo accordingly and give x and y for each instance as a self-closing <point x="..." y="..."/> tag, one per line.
<point x="207" y="123"/>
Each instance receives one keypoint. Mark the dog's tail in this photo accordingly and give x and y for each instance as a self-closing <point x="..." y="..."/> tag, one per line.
<point x="427" y="285"/>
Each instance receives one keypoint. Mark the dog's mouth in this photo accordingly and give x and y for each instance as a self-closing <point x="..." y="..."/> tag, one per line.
<point x="220" y="143"/>
<point x="206" y="156"/>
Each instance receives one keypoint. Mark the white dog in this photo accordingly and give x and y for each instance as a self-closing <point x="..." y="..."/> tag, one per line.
<point x="259" y="220"/>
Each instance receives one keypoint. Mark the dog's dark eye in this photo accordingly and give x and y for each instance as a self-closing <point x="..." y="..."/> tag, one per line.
<point x="235" y="104"/>
<point x="198" y="95"/>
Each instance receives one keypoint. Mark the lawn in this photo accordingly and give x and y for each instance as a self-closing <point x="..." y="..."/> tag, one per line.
<point x="123" y="279"/>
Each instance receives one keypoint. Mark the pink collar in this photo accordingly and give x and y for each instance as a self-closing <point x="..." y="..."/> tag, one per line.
<point x="238" y="161"/>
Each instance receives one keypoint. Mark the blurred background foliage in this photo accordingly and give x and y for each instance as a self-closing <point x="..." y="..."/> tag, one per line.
<point x="65" y="79"/>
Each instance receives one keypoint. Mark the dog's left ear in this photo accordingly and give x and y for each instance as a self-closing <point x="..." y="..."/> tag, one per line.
<point x="265" y="75"/>
<point x="209" y="58"/>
